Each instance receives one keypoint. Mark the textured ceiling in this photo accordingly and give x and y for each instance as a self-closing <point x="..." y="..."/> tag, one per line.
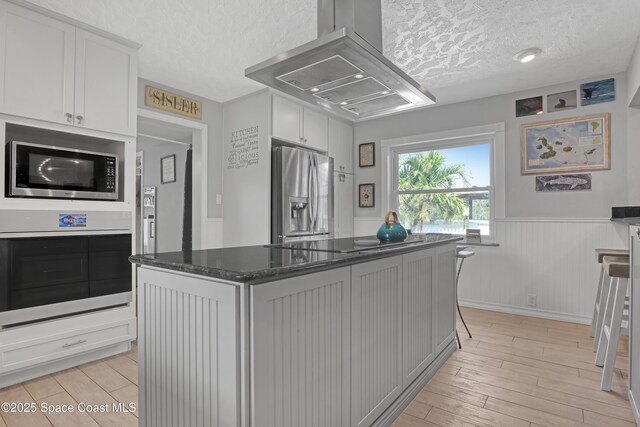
<point x="459" y="49"/>
<point x="463" y="49"/>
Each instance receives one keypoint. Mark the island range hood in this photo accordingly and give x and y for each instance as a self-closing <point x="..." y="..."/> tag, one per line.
<point x="344" y="70"/>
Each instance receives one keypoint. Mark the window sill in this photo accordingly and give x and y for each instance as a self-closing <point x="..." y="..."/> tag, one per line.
<point x="465" y="243"/>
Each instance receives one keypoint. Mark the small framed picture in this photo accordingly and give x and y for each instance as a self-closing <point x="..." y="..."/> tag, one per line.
<point x="168" y="169"/>
<point x="366" y="195"/>
<point x="529" y="106"/>
<point x="597" y="92"/>
<point x="562" y="101"/>
<point x="367" y="153"/>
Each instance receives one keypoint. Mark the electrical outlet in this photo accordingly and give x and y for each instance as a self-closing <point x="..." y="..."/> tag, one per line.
<point x="218" y="199"/>
<point x="532" y="300"/>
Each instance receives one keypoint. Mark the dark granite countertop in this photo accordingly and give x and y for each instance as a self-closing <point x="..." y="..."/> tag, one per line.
<point x="261" y="264"/>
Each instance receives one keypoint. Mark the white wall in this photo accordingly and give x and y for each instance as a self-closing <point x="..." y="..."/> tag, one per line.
<point x="633" y="77"/>
<point x="633" y="127"/>
<point x="169" y="196"/>
<point x="547" y="239"/>
<point x="609" y="187"/>
<point x="211" y="116"/>
<point x="247" y="197"/>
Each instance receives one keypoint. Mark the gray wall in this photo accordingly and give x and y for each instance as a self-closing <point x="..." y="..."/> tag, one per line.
<point x="609" y="187"/>
<point x="169" y="196"/>
<point x="211" y="116"/>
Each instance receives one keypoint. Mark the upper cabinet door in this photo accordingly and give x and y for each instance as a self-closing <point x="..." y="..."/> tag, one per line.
<point x="37" y="65"/>
<point x="287" y="120"/>
<point x="341" y="145"/>
<point x="316" y="130"/>
<point x="106" y="73"/>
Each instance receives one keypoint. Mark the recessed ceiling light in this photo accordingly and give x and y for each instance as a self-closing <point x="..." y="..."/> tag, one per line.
<point x="358" y="76"/>
<point x="386" y="92"/>
<point x="343" y="103"/>
<point x="527" y="55"/>
<point x="314" y="89"/>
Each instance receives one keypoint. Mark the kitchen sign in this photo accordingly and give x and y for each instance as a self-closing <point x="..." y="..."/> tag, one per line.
<point x="167" y="101"/>
<point x="244" y="149"/>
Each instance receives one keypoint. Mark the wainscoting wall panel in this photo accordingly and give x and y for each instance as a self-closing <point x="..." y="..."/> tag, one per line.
<point x="186" y="339"/>
<point x="552" y="259"/>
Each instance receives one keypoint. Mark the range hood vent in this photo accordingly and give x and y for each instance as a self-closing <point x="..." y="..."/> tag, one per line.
<point x="343" y="70"/>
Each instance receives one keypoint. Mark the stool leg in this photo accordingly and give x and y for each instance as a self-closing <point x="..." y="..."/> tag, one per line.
<point x="594" y="318"/>
<point x="601" y="347"/>
<point x="458" y="339"/>
<point x="602" y="302"/>
<point x="457" y="305"/>
<point x="614" y="334"/>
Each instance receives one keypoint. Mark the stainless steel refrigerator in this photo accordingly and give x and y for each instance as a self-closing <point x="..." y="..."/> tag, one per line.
<point x="301" y="195"/>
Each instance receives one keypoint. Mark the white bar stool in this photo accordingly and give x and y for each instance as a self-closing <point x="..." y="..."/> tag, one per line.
<point x="462" y="255"/>
<point x="617" y="268"/>
<point x="603" y="291"/>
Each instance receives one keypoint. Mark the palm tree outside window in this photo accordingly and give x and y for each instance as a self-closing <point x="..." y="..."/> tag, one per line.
<point x="446" y="189"/>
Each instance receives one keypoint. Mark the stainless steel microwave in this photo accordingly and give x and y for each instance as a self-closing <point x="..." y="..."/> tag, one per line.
<point x="63" y="173"/>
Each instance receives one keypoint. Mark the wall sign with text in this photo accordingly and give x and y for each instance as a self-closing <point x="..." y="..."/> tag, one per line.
<point x="171" y="102"/>
<point x="244" y="149"/>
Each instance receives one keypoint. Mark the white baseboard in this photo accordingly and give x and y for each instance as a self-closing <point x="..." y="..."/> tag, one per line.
<point x="634" y="407"/>
<point x="526" y="311"/>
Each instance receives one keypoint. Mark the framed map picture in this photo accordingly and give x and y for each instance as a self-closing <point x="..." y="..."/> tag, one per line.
<point x="366" y="195"/>
<point x="566" y="145"/>
<point x="367" y="154"/>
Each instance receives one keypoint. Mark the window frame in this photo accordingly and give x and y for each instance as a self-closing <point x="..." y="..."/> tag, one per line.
<point x="492" y="134"/>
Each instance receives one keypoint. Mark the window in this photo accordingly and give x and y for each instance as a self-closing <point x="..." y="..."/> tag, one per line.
<point x="444" y="188"/>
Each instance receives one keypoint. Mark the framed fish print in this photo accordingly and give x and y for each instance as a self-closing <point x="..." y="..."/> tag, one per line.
<point x="566" y="145"/>
<point x="367" y="154"/>
<point x="567" y="182"/>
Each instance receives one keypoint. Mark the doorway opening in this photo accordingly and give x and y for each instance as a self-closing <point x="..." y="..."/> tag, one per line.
<point x="171" y="184"/>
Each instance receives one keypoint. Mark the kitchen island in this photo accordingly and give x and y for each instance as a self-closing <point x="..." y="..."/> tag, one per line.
<point x="317" y="333"/>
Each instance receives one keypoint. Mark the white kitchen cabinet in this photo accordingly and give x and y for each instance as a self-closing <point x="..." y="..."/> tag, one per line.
<point x="316" y="130"/>
<point x="417" y="314"/>
<point x="37" y="58"/>
<point x="444" y="296"/>
<point x="343" y="204"/>
<point x="105" y="89"/>
<point x="287" y="120"/>
<point x="341" y="145"/>
<point x="301" y="351"/>
<point x="294" y="123"/>
<point x="376" y="326"/>
<point x="56" y="72"/>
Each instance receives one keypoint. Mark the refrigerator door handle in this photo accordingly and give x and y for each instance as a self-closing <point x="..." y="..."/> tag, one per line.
<point x="317" y="191"/>
<point x="311" y="195"/>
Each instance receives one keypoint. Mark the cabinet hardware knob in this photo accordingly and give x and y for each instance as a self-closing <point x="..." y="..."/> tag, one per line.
<point x="80" y="119"/>
<point x="74" y="343"/>
<point x="69" y="117"/>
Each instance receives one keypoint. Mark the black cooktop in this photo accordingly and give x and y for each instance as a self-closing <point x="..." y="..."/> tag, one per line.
<point x="353" y="244"/>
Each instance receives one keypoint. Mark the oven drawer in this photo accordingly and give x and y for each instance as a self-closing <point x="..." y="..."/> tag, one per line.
<point x="28" y="353"/>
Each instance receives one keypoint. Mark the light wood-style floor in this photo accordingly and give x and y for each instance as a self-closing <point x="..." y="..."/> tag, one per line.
<point x="106" y="381"/>
<point x="516" y="371"/>
<point x="521" y="371"/>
